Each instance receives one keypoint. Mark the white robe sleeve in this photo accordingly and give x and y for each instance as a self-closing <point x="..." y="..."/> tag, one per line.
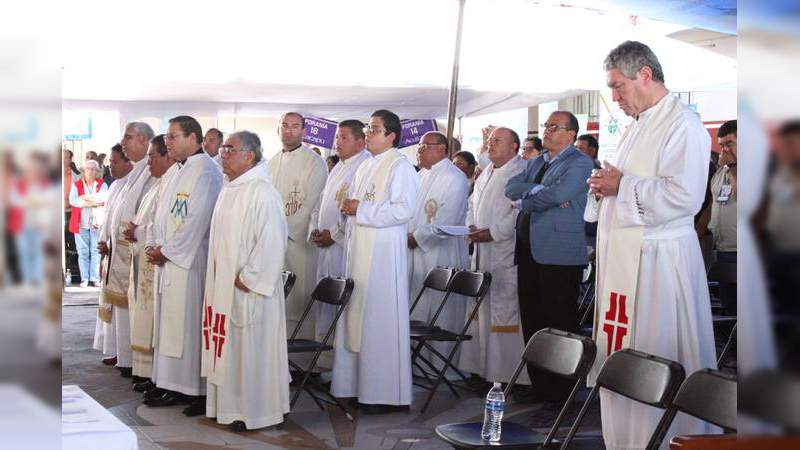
<point x="187" y="239"/>
<point x="454" y="201"/>
<point x="505" y="225"/>
<point x="399" y="205"/>
<point x="299" y="221"/>
<point x="678" y="189"/>
<point x="266" y="257"/>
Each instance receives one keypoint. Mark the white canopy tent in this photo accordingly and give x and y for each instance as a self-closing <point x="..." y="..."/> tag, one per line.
<point x="349" y="57"/>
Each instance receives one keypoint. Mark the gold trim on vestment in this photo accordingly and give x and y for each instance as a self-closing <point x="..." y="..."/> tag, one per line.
<point x="115" y="298"/>
<point x="146" y="351"/>
<point x="104" y="313"/>
<point x="505" y="328"/>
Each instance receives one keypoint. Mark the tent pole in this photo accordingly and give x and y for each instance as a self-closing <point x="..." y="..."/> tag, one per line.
<point x="453" y="97"/>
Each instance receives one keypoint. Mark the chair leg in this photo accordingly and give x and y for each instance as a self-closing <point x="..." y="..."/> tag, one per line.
<point x="447" y="364"/>
<point x="588" y="308"/>
<point x="436" y="370"/>
<point x="579" y="419"/>
<point x="728" y="346"/>
<point x="661" y="429"/>
<point x="561" y="414"/>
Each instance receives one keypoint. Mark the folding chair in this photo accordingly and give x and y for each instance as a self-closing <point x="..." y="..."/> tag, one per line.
<point x="437" y="279"/>
<point x="288" y="282"/>
<point x="465" y="283"/>
<point x="555" y="351"/>
<point x="772" y="397"/>
<point x="333" y="291"/>
<point x="641" y="377"/>
<point x="707" y="394"/>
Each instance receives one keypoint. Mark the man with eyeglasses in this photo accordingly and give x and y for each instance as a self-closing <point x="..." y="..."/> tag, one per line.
<point x="441" y="200"/>
<point x="723" y="208"/>
<point x="551" y="246"/>
<point x="178" y="247"/>
<point x="372" y="359"/>
<point x="493" y="352"/>
<point x="248" y="370"/>
<point x="135" y="142"/>
<point x="140" y="294"/>
<point x="652" y="292"/>
<point x="299" y="174"/>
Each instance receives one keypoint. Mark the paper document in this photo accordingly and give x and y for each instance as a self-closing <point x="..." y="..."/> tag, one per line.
<point x="451" y="230"/>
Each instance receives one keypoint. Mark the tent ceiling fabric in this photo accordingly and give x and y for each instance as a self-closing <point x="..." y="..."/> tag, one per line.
<point x="349" y="57"/>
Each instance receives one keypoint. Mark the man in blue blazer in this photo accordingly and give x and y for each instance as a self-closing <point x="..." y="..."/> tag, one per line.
<point x="551" y="245"/>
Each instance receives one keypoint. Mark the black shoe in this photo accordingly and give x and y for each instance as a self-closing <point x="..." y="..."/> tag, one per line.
<point x="137" y="379"/>
<point x="144" y="386"/>
<point x="155" y="393"/>
<point x="197" y="407"/>
<point x="125" y="372"/>
<point x="381" y="409"/>
<point x="168" y="399"/>
<point x="238" y="426"/>
<point x="110" y="361"/>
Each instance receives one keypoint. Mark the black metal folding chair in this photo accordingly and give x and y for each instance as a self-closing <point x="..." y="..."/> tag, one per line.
<point x="641" y="377"/>
<point x="288" y="282"/>
<point x="772" y="397"/>
<point x="333" y="291"/>
<point x="437" y="279"/>
<point x="468" y="284"/>
<point x="558" y="352"/>
<point x="707" y="394"/>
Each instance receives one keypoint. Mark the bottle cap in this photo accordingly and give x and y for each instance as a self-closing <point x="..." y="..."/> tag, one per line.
<point x="497" y="384"/>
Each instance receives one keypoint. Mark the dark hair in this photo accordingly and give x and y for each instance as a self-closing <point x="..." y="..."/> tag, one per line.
<point x="161" y="146"/>
<point x="356" y="126"/>
<point x="727" y="128"/>
<point x="537" y="143"/>
<point x="790" y="127"/>
<point x="456" y="145"/>
<point x="590" y="140"/>
<point x="118" y="149"/>
<point x="572" y="122"/>
<point x="391" y="122"/>
<point x="467" y="156"/>
<point x="189" y="125"/>
<point x="333" y="158"/>
<point x="213" y="130"/>
<point x="293" y="113"/>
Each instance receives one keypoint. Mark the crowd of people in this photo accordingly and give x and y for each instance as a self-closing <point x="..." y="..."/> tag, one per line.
<point x="195" y="231"/>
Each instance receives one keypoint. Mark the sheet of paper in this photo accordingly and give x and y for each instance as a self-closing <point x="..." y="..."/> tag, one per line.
<point x="452" y="230"/>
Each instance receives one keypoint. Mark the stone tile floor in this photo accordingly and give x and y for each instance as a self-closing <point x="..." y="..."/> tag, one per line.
<point x="307" y="426"/>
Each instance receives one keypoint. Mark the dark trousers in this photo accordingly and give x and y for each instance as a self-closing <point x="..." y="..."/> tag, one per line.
<point x="727" y="291"/>
<point x="547" y="299"/>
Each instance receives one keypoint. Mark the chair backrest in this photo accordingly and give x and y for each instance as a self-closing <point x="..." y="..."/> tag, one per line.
<point x="561" y="353"/>
<point x="709" y="395"/>
<point x="288" y="282"/>
<point x="645" y="378"/>
<point x="333" y="291"/>
<point x="438" y="278"/>
<point x="470" y="284"/>
<point x="773" y="397"/>
<point x="723" y="272"/>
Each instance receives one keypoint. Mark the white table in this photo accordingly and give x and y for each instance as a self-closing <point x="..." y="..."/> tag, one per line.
<point x="86" y="425"/>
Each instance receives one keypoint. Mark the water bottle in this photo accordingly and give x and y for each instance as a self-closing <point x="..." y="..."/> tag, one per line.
<point x="493" y="414"/>
<point x="68" y="278"/>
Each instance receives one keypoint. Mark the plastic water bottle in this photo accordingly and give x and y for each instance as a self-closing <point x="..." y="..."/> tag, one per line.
<point x="493" y="414"/>
<point x="68" y="278"/>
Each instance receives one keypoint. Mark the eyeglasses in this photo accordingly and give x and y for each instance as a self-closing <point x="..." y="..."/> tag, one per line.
<point x="227" y="149"/>
<point x="553" y="126"/>
<point x="369" y="129"/>
<point x="172" y="136"/>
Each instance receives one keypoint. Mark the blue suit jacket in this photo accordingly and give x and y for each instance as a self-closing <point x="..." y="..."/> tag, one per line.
<point x="556" y="234"/>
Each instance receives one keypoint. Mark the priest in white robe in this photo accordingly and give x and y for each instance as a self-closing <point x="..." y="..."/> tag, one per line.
<point x="104" y="336"/>
<point x="179" y="247"/>
<point x="245" y="357"/>
<point x="372" y="359"/>
<point x="497" y="341"/>
<point x="329" y="223"/>
<point x="142" y="275"/>
<point x="441" y="200"/>
<point x="299" y="174"/>
<point x="135" y="142"/>
<point x="650" y="268"/>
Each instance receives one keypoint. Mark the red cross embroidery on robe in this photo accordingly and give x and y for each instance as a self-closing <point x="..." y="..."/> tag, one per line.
<point x="616" y="323"/>
<point x="215" y="333"/>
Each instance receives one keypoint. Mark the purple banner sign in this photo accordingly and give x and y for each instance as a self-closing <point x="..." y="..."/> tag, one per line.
<point x="413" y="129"/>
<point x="320" y="132"/>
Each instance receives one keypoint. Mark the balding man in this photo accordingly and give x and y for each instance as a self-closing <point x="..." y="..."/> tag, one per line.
<point x="551" y="247"/>
<point x="441" y="200"/>
<point x="648" y="255"/>
<point x="299" y="174"/>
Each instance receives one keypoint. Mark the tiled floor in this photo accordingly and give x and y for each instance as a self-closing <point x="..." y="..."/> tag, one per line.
<point x="306" y="428"/>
